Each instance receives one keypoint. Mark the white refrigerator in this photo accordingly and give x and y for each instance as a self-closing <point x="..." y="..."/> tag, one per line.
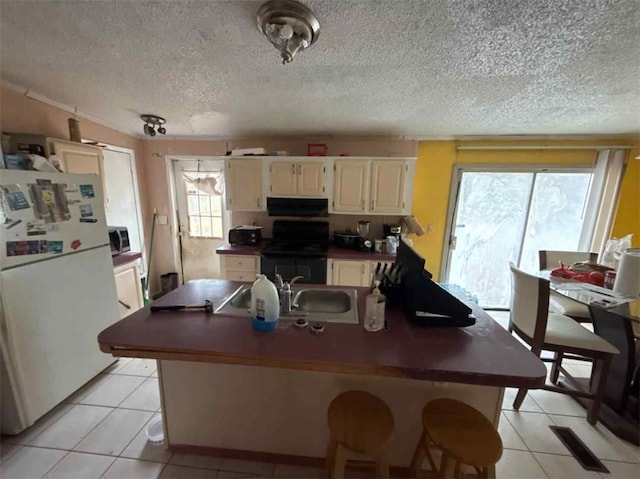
<point x="57" y="290"/>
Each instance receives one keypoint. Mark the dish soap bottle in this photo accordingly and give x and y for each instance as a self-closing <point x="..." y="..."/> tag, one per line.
<point x="374" y="310"/>
<point x="265" y="304"/>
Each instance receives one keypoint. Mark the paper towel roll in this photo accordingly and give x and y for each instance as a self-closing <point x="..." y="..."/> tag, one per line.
<point x="628" y="276"/>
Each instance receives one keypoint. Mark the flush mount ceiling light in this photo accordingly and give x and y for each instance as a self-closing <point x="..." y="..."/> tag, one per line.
<point x="151" y="121"/>
<point x="290" y="26"/>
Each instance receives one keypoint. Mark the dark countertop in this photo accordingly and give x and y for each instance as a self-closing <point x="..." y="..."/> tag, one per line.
<point x="124" y="258"/>
<point x="334" y="252"/>
<point x="482" y="354"/>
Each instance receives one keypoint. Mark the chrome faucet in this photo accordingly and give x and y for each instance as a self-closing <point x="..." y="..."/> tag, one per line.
<point x="285" y="293"/>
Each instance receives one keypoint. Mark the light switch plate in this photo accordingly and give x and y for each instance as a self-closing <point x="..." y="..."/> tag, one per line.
<point x="162" y="219"/>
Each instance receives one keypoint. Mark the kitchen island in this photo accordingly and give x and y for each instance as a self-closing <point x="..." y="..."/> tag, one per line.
<point x="230" y="390"/>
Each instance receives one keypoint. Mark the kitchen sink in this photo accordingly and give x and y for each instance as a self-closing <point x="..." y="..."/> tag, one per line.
<point x="322" y="301"/>
<point x="314" y="304"/>
<point x="242" y="300"/>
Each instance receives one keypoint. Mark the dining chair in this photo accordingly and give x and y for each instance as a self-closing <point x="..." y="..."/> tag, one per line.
<point x="550" y="259"/>
<point x="543" y="331"/>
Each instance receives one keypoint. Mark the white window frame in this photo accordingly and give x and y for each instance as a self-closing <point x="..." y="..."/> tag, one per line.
<point x="459" y="169"/>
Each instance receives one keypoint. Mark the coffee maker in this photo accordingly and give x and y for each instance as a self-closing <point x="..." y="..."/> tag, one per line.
<point x="391" y="230"/>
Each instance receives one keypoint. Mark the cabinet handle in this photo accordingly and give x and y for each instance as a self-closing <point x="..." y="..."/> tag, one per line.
<point x="362" y="269"/>
<point x="362" y="205"/>
<point x="293" y="168"/>
<point x="258" y="201"/>
<point x="299" y="169"/>
<point x="124" y="304"/>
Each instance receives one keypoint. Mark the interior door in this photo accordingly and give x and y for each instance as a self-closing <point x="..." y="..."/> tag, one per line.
<point x="283" y="176"/>
<point x="387" y="186"/>
<point x="310" y="178"/>
<point x="350" y="185"/>
<point x="507" y="216"/>
<point x="202" y="218"/>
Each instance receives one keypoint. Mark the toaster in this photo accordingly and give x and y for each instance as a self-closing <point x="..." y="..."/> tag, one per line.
<point x="245" y="235"/>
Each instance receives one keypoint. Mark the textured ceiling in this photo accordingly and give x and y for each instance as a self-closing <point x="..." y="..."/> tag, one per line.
<point x="395" y="67"/>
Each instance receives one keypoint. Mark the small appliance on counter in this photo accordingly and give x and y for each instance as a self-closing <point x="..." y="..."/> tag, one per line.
<point x="391" y="230"/>
<point x="363" y="230"/>
<point x="245" y="235"/>
<point x="346" y="239"/>
<point x="119" y="239"/>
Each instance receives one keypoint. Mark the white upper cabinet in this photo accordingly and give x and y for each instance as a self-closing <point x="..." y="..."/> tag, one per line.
<point x="284" y="178"/>
<point x="377" y="186"/>
<point x="78" y="158"/>
<point x="289" y="178"/>
<point x="350" y="185"/>
<point x="311" y="178"/>
<point x="387" y="186"/>
<point x="244" y="184"/>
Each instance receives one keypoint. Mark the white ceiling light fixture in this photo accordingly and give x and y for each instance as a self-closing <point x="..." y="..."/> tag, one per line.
<point x="290" y="26"/>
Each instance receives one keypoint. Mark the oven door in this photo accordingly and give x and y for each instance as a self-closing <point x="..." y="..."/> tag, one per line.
<point x="312" y="269"/>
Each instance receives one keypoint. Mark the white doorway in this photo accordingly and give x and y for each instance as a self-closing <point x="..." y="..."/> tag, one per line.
<point x="202" y="219"/>
<point x="122" y="201"/>
<point x="504" y="215"/>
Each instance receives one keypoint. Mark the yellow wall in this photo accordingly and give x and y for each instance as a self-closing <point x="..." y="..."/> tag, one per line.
<point x="628" y="214"/>
<point x="434" y="171"/>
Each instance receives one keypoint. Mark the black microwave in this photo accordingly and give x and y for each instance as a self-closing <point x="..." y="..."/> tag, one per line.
<point x="119" y="239"/>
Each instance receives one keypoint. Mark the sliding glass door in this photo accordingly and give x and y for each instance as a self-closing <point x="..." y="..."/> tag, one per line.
<point x="507" y="216"/>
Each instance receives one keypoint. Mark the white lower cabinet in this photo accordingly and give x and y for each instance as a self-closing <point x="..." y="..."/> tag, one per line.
<point x="129" y="288"/>
<point x="239" y="267"/>
<point x="342" y="272"/>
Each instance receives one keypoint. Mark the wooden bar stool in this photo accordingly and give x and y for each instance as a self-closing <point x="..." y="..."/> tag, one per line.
<point x="463" y="434"/>
<point x="358" y="422"/>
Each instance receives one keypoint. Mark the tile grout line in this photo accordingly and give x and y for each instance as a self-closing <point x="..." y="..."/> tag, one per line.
<point x="517" y="433"/>
<point x="134" y="438"/>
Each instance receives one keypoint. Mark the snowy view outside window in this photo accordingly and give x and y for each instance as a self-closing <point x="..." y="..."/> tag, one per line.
<point x="493" y="226"/>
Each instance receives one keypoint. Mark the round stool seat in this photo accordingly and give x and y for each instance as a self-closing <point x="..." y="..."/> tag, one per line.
<point x="462" y="432"/>
<point x="360" y="421"/>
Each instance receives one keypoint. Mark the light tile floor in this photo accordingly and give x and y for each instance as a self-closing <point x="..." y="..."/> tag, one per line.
<point x="100" y="432"/>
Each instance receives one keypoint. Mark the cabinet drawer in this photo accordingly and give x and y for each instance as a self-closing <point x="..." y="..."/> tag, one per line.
<point x="243" y="263"/>
<point x="240" y="275"/>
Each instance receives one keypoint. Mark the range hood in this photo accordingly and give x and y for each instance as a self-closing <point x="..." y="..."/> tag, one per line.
<point x="299" y="207"/>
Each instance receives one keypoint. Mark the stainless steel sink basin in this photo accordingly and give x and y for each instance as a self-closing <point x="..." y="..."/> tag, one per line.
<point x="314" y="304"/>
<point x="242" y="300"/>
<point x="322" y="301"/>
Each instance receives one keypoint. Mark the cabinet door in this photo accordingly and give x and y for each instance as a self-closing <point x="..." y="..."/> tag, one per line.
<point x="244" y="184"/>
<point x="350" y="185"/>
<point x="283" y="176"/>
<point x="310" y="178"/>
<point x="349" y="273"/>
<point x="129" y="289"/>
<point x="387" y="186"/>
<point x="78" y="158"/>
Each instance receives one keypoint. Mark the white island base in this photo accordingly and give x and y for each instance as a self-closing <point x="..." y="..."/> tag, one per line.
<point x="242" y="411"/>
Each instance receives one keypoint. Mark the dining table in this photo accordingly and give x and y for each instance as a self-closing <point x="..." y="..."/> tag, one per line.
<point x="616" y="318"/>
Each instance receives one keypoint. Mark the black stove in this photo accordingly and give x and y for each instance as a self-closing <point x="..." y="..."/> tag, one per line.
<point x="298" y="248"/>
<point x="295" y="248"/>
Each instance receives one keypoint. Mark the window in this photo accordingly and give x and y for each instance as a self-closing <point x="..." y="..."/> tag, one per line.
<point x="204" y="211"/>
<point x="508" y="216"/>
